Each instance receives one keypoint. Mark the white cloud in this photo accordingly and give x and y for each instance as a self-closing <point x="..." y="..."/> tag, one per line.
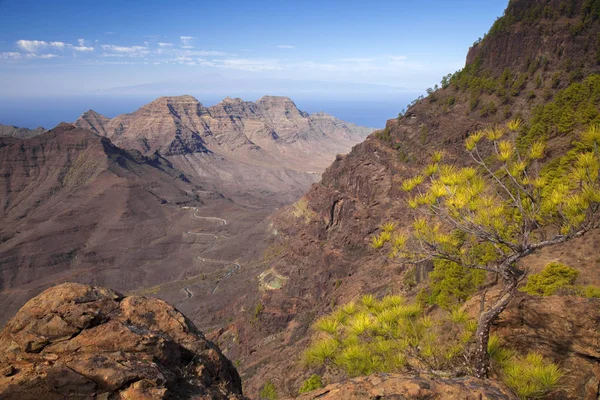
<point x="398" y="58"/>
<point x="34" y="46"/>
<point x="203" y="53"/>
<point x="31" y="46"/>
<point x="186" y="41"/>
<point x="109" y="33"/>
<point x="118" y="51"/>
<point x="81" y="48"/>
<point x="286" y="46"/>
<point x="187" y="47"/>
<point x="161" y="44"/>
<point x="58" y="45"/>
<point x="46" y="56"/>
<point x="13" y="55"/>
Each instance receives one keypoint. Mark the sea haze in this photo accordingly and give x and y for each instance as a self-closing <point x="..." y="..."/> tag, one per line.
<point x="371" y="110"/>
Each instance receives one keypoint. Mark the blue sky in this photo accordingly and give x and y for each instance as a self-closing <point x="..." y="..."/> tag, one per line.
<point x="79" y="46"/>
<point x="66" y="52"/>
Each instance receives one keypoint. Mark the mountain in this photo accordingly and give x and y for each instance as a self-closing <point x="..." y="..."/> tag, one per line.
<point x="19" y="133"/>
<point x="539" y="63"/>
<point x="76" y="207"/>
<point x="269" y="149"/>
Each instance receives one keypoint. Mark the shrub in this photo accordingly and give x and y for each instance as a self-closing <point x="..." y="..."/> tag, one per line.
<point x="459" y="316"/>
<point x="554" y="277"/>
<point x="268" y="392"/>
<point x="532" y="376"/>
<point x="574" y="107"/>
<point x="312" y="383"/>
<point x="591" y="292"/>
<point x="451" y="284"/>
<point x="489" y="109"/>
<point x="384" y="335"/>
<point x="258" y="310"/>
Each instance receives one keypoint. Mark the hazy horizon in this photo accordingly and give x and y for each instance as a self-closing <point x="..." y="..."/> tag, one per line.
<point x="386" y="54"/>
<point x="49" y="112"/>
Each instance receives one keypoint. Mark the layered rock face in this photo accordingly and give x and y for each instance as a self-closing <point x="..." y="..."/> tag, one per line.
<point x="551" y="33"/>
<point x="79" y="342"/>
<point x="243" y="148"/>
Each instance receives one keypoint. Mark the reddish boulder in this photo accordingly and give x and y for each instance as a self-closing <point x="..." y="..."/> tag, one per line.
<point x="79" y="341"/>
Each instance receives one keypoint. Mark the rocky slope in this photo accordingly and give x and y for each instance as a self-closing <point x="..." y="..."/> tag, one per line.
<point x="80" y="342"/>
<point x="265" y="148"/>
<point x="75" y="207"/>
<point x="323" y="257"/>
<point x="19" y="133"/>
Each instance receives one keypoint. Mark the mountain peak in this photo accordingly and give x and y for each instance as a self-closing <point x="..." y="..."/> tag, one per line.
<point x="275" y="100"/>
<point x="91" y="113"/>
<point x="172" y="100"/>
<point x="64" y="126"/>
<point x="235" y="100"/>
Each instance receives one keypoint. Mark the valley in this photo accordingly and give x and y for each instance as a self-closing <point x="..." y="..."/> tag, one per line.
<point x="251" y="250"/>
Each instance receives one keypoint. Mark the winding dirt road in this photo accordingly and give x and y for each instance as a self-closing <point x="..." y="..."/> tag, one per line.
<point x="229" y="273"/>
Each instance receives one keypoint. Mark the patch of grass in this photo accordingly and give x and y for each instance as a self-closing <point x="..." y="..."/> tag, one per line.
<point x="310" y="384"/>
<point x="553" y="278"/>
<point x="268" y="391"/>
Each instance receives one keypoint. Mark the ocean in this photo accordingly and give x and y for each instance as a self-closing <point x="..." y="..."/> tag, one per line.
<point x="371" y="111"/>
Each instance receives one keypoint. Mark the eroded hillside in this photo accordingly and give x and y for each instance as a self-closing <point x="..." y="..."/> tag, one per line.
<point x="323" y="255"/>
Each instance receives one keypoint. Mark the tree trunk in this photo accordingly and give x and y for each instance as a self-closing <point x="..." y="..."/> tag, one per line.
<point x="481" y="358"/>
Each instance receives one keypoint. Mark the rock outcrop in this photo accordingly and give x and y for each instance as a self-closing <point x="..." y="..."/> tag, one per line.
<point x="79" y="342"/>
<point x="390" y="386"/>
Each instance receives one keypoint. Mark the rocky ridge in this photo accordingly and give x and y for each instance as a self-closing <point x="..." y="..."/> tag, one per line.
<point x="20" y="133"/>
<point x="265" y="147"/>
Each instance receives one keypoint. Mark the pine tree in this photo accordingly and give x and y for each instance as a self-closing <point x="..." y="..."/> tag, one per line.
<point x="491" y="216"/>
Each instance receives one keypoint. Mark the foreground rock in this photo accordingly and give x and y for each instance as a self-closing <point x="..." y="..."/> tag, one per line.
<point x="77" y="341"/>
<point x="389" y="386"/>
